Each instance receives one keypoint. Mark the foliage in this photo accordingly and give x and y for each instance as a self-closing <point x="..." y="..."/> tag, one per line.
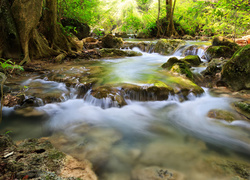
<point x="9" y="66"/>
<point x="84" y="11"/>
<point x="223" y="17"/>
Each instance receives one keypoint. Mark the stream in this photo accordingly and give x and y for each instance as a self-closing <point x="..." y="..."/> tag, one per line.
<point x="171" y="136"/>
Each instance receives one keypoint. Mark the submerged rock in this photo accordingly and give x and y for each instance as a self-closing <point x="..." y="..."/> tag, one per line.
<point x="111" y="52"/>
<point x="156" y="173"/>
<point x="223" y="115"/>
<point x="34" y="158"/>
<point x="236" y="72"/>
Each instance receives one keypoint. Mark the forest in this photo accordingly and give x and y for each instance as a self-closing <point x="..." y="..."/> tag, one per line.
<point x="125" y="89"/>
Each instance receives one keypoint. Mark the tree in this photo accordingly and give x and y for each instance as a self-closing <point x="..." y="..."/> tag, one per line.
<point x="35" y="29"/>
<point x="170" y="17"/>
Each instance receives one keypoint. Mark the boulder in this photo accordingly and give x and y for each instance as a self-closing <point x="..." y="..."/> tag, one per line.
<point x="222" y="41"/>
<point x="170" y="63"/>
<point x="80" y="30"/>
<point x="110" y="41"/>
<point x="193" y="60"/>
<point x="214" y="66"/>
<point x="218" y="51"/>
<point x="165" y="46"/>
<point x="236" y="72"/>
<point x="178" y="66"/>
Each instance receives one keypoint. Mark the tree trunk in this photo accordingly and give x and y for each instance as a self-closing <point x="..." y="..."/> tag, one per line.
<point x="159" y="30"/>
<point x="170" y="18"/>
<point x="40" y="33"/>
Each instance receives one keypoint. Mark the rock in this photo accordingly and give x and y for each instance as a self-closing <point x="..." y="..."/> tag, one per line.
<point x="223" y="115"/>
<point x="111" y="52"/>
<point x="236" y="72"/>
<point x="77" y="169"/>
<point x="218" y="51"/>
<point x="156" y="173"/>
<point x="193" y="60"/>
<point x="222" y="41"/>
<point x="121" y="34"/>
<point x="38" y="159"/>
<point x="110" y="41"/>
<point x="178" y="66"/>
<point x="80" y="30"/>
<point x="171" y="61"/>
<point x="243" y="107"/>
<point x="165" y="46"/>
<point x="187" y="37"/>
<point x="232" y="169"/>
<point x="214" y="67"/>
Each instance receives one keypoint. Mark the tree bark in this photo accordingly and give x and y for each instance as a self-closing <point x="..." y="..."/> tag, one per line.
<point x="159" y="30"/>
<point x="38" y="28"/>
<point x="170" y="18"/>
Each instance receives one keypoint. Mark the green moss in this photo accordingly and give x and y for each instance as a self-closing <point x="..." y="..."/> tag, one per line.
<point x="236" y="72"/>
<point x="193" y="60"/>
<point x="168" y="65"/>
<point x="223" y="114"/>
<point x="111" y="52"/>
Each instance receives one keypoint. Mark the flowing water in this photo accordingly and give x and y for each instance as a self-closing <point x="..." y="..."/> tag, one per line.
<point x="123" y="142"/>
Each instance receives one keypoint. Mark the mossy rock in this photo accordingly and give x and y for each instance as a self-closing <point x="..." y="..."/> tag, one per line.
<point x="236" y="72"/>
<point x="110" y="41"/>
<point x="218" y="51"/>
<point x="214" y="66"/>
<point x="183" y="85"/>
<point x="178" y="66"/>
<point x="111" y="52"/>
<point x="222" y="41"/>
<point x="165" y="46"/>
<point x="168" y="65"/>
<point x="193" y="60"/>
<point x="182" y="68"/>
<point x="223" y="115"/>
<point x="243" y="107"/>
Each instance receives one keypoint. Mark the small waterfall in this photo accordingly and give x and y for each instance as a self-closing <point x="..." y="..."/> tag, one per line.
<point x="191" y="50"/>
